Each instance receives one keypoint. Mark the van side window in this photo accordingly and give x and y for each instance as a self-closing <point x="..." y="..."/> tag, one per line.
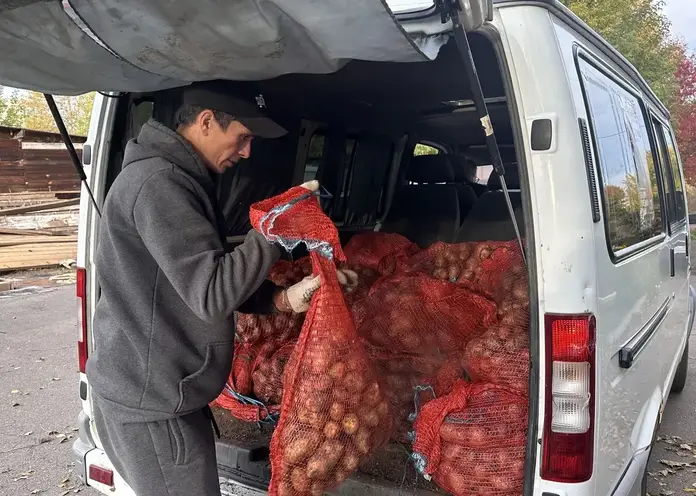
<point x="422" y="149"/>
<point x="667" y="184"/>
<point x="675" y="176"/>
<point x="626" y="161"/>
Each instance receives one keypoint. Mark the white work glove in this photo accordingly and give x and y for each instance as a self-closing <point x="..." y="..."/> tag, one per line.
<point x="298" y="296"/>
<point x="311" y="185"/>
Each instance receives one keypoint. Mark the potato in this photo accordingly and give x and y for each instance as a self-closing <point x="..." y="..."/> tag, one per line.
<point x="300" y="481"/>
<point x="354" y="382"/>
<point x="371" y="418"/>
<point x="285" y="489"/>
<point x="350" y="423"/>
<point x="362" y="441"/>
<point x="372" y="394"/>
<point x="342" y="394"/>
<point x="310" y="418"/>
<point x="325" y="459"/>
<point x="317" y="489"/>
<point x="337" y="370"/>
<point x="383" y="409"/>
<point x="350" y="461"/>
<point x="336" y="411"/>
<point x="300" y="448"/>
<point x="453" y="273"/>
<point x="332" y="429"/>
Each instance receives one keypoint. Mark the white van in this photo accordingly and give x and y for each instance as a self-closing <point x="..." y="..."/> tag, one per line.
<point x="592" y="177"/>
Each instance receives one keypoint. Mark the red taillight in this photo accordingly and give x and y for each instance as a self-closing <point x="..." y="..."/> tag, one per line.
<point x="81" y="289"/>
<point x="101" y="475"/>
<point x="570" y="391"/>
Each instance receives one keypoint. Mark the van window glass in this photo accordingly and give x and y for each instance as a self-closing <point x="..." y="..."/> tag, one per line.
<point x="335" y="207"/>
<point x="667" y="185"/>
<point x="626" y="161"/>
<point x="314" y="155"/>
<point x="422" y="149"/>
<point x="680" y="206"/>
<point x="483" y="173"/>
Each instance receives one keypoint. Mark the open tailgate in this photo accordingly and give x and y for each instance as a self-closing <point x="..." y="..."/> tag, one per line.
<point x="75" y="46"/>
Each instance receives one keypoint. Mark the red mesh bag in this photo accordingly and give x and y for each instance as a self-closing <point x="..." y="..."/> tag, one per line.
<point x="253" y="329"/>
<point x="268" y="375"/>
<point x="366" y="278"/>
<point x="472" y="441"/>
<point x="501" y="354"/>
<point x="481" y="265"/>
<point x="334" y="412"/>
<point x="234" y="397"/>
<point x="417" y="327"/>
<point x="415" y="313"/>
<point x="371" y="248"/>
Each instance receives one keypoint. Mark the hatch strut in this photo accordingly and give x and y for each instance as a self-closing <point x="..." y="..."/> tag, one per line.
<point x="71" y="148"/>
<point x="449" y="11"/>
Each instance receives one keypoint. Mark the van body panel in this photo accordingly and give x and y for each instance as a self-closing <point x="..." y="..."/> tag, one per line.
<point x="631" y="291"/>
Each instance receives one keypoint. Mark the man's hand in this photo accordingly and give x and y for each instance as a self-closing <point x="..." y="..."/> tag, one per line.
<point x="297" y="297"/>
<point x="311" y="185"/>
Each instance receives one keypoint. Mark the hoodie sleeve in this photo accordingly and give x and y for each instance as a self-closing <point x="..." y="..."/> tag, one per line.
<point x="170" y="219"/>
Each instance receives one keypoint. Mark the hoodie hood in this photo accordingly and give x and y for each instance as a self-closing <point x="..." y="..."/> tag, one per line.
<point x="157" y="140"/>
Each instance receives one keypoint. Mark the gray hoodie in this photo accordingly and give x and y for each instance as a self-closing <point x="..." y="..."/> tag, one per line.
<point x="163" y="326"/>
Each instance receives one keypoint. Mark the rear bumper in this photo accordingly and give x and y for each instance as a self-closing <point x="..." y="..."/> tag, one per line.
<point x="82" y="445"/>
<point x="632" y="480"/>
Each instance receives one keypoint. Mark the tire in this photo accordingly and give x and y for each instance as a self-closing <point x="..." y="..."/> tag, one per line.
<point x="682" y="371"/>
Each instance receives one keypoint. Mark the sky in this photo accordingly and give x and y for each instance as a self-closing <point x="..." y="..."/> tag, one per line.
<point x="682" y="13"/>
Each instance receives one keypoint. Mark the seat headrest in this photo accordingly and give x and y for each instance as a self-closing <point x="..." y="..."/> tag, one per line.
<point x="512" y="178"/>
<point x="431" y="169"/>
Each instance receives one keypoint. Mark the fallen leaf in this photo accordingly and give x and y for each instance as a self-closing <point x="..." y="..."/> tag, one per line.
<point x="45" y="440"/>
<point x="59" y="436"/>
<point x="21" y="477"/>
<point x="65" y="493"/>
<point x="15" y="404"/>
<point x="52" y="433"/>
<point x="665" y="492"/>
<point x="36" y="491"/>
<point x="41" y="359"/>
<point x="27" y="473"/>
<point x="685" y="446"/>
<point x="673" y="464"/>
<point x="689" y="490"/>
<point x="14" y="391"/>
<point x="55" y="378"/>
<point x="29" y="433"/>
<point x="664" y="472"/>
<point x="63" y="440"/>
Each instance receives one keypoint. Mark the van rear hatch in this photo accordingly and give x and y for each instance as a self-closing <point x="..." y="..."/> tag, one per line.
<point x="76" y="46"/>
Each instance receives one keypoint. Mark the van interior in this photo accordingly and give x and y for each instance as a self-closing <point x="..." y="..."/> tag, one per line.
<point x="400" y="148"/>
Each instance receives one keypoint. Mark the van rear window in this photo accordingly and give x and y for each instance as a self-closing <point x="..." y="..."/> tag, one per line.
<point x="625" y="159"/>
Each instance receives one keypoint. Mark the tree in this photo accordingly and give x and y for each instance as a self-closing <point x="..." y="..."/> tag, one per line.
<point x="28" y="109"/>
<point x="15" y="112"/>
<point x="3" y="103"/>
<point x="641" y="32"/>
<point x="684" y="114"/>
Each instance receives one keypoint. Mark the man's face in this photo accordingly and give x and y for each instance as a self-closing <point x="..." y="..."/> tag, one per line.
<point x="220" y="148"/>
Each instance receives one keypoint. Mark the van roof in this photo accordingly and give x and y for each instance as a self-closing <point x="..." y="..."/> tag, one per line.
<point x="600" y="43"/>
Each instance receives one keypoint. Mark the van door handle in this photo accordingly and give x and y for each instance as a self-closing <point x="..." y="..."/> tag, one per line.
<point x="671" y="262"/>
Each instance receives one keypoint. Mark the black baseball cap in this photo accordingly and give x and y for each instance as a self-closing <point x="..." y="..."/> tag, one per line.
<point x="246" y="107"/>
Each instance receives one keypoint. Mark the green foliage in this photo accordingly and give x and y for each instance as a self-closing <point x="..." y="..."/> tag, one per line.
<point x="641" y="32"/>
<point x="425" y="150"/>
<point x="28" y="109"/>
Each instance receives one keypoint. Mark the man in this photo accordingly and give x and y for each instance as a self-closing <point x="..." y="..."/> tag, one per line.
<point x="163" y="326"/>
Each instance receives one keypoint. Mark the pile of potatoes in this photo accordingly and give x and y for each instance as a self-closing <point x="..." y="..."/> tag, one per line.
<point x="339" y="416"/>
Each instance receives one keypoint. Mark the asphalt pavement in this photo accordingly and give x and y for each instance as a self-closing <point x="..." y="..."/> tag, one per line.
<point x="40" y="403"/>
<point x="39" y="391"/>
